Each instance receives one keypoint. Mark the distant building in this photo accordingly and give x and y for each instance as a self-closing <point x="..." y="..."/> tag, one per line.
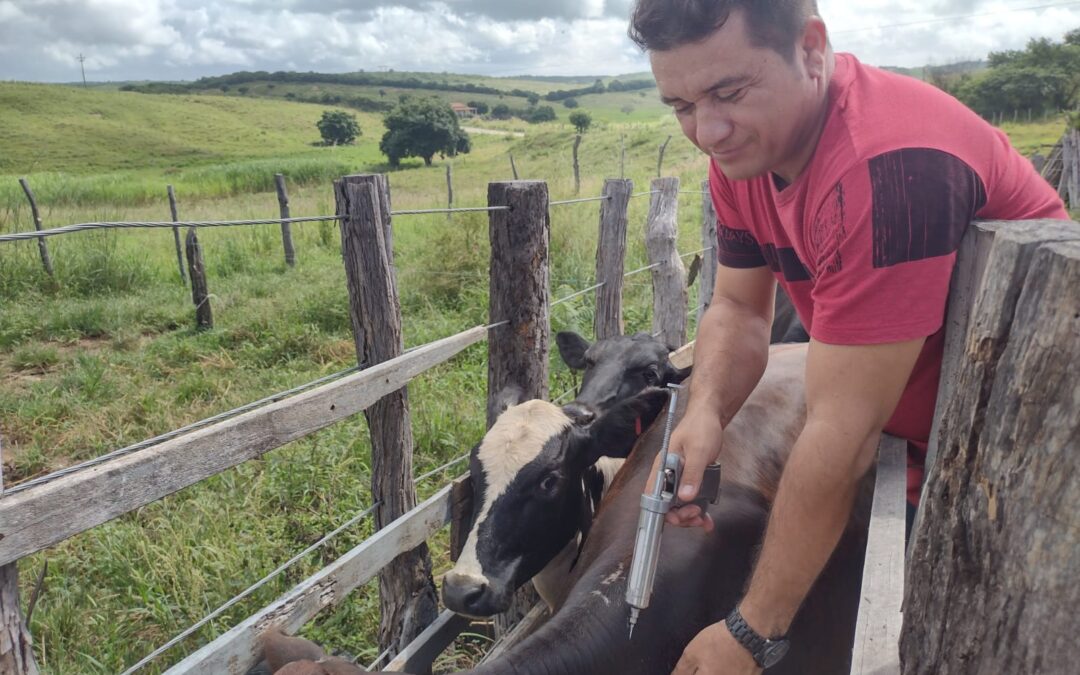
<point x="463" y="111"/>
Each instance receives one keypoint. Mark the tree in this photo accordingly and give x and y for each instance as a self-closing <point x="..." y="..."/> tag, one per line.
<point x="338" y="127"/>
<point x="543" y="113"/>
<point x="481" y="107"/>
<point x="422" y="127"/>
<point x="570" y="103"/>
<point x="581" y="120"/>
<point x="533" y="99"/>
<point x="501" y="111"/>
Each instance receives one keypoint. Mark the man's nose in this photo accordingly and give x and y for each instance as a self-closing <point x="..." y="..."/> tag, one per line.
<point x="714" y="127"/>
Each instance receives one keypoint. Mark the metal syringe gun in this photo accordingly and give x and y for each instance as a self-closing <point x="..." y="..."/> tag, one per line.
<point x="654" y="506"/>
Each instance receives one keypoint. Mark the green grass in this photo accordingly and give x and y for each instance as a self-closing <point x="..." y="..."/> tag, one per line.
<point x="106" y="354"/>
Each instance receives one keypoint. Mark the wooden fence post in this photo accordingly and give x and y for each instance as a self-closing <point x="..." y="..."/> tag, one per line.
<point x="660" y="159"/>
<point x="992" y="564"/>
<point x="513" y="167"/>
<point x="669" y="278"/>
<point x="286" y="228"/>
<point x="708" y="242"/>
<point x="519" y="294"/>
<point x="16" y="655"/>
<point x="610" y="258"/>
<point x="43" y="248"/>
<point x="577" y="166"/>
<point x="449" y="190"/>
<point x="200" y="292"/>
<point x="176" y="234"/>
<point x="407" y="595"/>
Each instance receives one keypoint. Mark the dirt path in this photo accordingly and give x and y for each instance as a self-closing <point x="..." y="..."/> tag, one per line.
<point x="494" y="132"/>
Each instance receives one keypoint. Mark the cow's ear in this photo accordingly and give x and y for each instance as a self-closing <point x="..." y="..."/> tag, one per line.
<point x="614" y="433"/>
<point x="677" y="375"/>
<point x="572" y="348"/>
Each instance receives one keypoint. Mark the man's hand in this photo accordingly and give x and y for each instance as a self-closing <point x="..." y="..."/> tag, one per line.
<point x="697" y="439"/>
<point x="715" y="652"/>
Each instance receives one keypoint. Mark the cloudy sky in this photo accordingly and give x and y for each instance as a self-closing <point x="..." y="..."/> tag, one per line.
<point x="186" y="39"/>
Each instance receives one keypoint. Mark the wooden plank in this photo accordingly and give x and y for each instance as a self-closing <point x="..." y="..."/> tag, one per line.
<point x="238" y="649"/>
<point x="461" y="509"/>
<point x="419" y="654"/>
<point x="200" y="292"/>
<point x="611" y="258"/>
<point x="708" y="241"/>
<point x="51" y="512"/>
<point x="669" y="278"/>
<point x="176" y="234"/>
<point x="286" y="227"/>
<point x="43" y="247"/>
<point x="683" y="357"/>
<point x="523" y="629"/>
<point x="877" y="631"/>
<point x="16" y="655"/>
<point x="407" y="597"/>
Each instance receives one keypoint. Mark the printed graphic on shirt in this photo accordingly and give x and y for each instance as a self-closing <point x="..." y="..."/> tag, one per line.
<point x="828" y="231"/>
<point x="923" y="201"/>
<point x="737" y="248"/>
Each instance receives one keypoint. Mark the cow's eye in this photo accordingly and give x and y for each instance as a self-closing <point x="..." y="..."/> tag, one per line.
<point x="651" y="376"/>
<point x="550" y="483"/>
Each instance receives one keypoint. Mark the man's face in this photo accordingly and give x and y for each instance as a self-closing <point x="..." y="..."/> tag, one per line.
<point x="747" y="107"/>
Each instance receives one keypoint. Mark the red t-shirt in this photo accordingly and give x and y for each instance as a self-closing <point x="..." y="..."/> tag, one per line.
<point x="865" y="239"/>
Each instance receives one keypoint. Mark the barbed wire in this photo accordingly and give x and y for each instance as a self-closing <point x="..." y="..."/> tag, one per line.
<point x="465" y="209"/>
<point x="250" y="589"/>
<point x="687" y="255"/>
<point x="578" y="293"/>
<point x="642" y="269"/>
<point x="67" y="229"/>
<point x="642" y="194"/>
<point x="442" y="468"/>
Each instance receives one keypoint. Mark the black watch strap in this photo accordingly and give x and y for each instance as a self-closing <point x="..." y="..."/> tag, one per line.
<point x="766" y="651"/>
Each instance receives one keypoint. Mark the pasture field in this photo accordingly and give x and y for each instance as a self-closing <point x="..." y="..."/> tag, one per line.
<point x="106" y="355"/>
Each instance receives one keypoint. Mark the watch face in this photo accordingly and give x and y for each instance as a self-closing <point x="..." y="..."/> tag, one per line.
<point x="774" y="651"/>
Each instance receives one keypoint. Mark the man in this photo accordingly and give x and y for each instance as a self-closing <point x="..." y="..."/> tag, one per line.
<point x="852" y="187"/>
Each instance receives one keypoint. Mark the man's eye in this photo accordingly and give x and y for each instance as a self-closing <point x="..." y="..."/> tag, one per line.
<point x="729" y="97"/>
<point x="685" y="110"/>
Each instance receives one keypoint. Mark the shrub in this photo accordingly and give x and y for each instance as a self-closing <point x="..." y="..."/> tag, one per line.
<point x="581" y="120"/>
<point x="570" y="103"/>
<point x="338" y="127"/>
<point x="543" y="113"/>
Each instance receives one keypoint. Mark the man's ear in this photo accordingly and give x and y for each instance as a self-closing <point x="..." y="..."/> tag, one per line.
<point x="614" y="433"/>
<point x="572" y="348"/>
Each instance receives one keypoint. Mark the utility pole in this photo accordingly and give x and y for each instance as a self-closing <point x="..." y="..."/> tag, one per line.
<point x="83" y="69"/>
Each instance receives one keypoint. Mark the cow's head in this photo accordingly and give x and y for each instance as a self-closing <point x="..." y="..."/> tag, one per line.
<point x="529" y="499"/>
<point x="619" y="367"/>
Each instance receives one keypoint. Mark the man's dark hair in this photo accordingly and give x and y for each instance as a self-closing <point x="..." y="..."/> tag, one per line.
<point x="659" y="25"/>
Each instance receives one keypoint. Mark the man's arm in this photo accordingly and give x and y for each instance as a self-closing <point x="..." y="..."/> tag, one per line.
<point x="851" y="394"/>
<point x="730" y="355"/>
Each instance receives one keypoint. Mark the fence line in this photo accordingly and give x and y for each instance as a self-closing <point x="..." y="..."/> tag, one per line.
<point x="602" y="198"/>
<point x="20" y="236"/>
<point x="249" y="590"/>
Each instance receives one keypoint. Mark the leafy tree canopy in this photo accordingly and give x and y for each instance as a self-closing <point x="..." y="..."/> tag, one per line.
<point x="422" y="127"/>
<point x="338" y="127"/>
<point x="581" y="120"/>
<point x="1045" y="76"/>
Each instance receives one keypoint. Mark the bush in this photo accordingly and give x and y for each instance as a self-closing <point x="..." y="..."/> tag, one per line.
<point x="570" y="103"/>
<point x="501" y="111"/>
<point x="481" y="107"/>
<point x="581" y="120"/>
<point x="544" y="113"/>
<point x="338" y="127"/>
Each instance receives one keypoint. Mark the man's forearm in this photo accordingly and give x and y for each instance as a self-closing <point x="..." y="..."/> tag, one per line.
<point x="730" y="355"/>
<point x="809" y="515"/>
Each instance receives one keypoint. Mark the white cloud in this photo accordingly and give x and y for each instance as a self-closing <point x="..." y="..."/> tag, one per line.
<point x="185" y="39"/>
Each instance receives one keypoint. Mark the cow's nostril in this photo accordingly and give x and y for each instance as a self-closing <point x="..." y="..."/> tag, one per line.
<point x="463" y="595"/>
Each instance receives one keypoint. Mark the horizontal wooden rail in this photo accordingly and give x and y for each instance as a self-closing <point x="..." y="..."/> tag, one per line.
<point x="877" y="631"/>
<point x="49" y="513"/>
<point x="237" y="650"/>
<point x="419" y="654"/>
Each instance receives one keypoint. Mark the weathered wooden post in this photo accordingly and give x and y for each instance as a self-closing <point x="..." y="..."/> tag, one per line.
<point x="43" y="248"/>
<point x="449" y="190"/>
<point x="176" y="234"/>
<point x="669" y="277"/>
<point x="991" y="576"/>
<point x="577" y="165"/>
<point x="611" y="257"/>
<point x="660" y="159"/>
<point x="519" y="294"/>
<point x="513" y="167"/>
<point x="200" y="290"/>
<point x="407" y="595"/>
<point x="16" y="655"/>
<point x="286" y="227"/>
<point x="708" y="257"/>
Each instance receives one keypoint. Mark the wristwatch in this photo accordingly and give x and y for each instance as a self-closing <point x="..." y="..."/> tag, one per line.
<point x="766" y="651"/>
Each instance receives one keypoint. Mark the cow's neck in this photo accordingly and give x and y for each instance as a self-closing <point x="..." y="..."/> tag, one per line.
<point x="551" y="582"/>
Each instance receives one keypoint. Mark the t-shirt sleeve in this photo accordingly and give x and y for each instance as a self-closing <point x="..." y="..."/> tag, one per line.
<point x="884" y="242"/>
<point x="736" y="246"/>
